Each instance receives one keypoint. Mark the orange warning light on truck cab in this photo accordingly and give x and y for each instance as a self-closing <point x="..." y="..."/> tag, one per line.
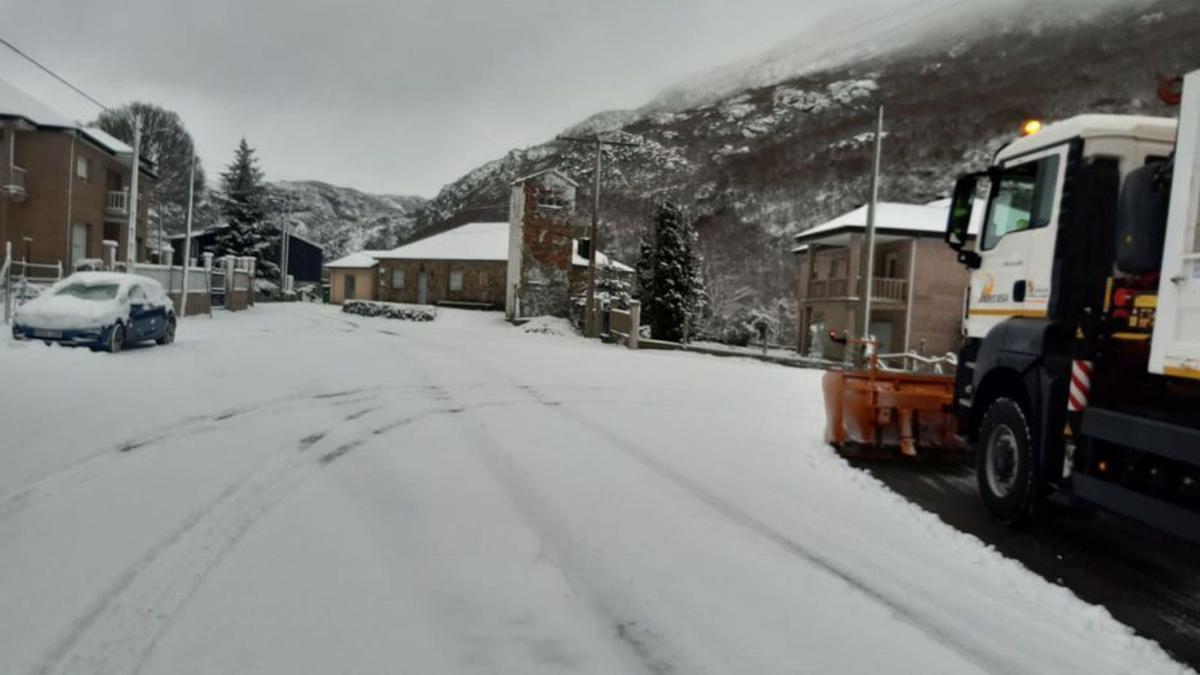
<point x="1031" y="127"/>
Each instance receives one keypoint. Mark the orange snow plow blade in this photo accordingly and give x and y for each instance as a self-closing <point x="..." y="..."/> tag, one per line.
<point x="876" y="411"/>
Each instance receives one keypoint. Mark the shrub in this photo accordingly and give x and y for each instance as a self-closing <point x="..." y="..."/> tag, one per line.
<point x="390" y="310"/>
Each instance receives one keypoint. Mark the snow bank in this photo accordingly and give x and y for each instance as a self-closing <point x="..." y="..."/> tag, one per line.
<point x="390" y="310"/>
<point x="549" y="325"/>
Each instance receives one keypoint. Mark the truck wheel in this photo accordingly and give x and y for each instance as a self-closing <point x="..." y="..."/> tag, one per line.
<point x="1004" y="463"/>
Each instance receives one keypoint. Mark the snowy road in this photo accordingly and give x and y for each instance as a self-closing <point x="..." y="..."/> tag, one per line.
<point x="291" y="490"/>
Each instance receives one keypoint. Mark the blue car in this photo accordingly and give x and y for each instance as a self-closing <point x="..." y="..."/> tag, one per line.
<point x="101" y="310"/>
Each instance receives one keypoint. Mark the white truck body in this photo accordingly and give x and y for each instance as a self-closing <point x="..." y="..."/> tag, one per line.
<point x="1175" y="346"/>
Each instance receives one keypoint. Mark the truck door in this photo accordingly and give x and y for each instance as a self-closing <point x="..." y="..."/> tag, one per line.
<point x="1175" y="349"/>
<point x="1017" y="241"/>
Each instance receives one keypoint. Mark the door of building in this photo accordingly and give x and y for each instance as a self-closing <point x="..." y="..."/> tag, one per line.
<point x="423" y="288"/>
<point x="350" y="289"/>
<point x="79" y="237"/>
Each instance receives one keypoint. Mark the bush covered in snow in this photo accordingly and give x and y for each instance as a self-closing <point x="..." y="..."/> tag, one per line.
<point x="549" y="325"/>
<point x="390" y="310"/>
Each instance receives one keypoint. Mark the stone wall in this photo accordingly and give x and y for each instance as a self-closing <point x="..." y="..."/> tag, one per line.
<point x="483" y="281"/>
<point x="546" y="235"/>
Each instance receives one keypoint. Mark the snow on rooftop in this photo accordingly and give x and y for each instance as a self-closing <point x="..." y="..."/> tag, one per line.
<point x="896" y="218"/>
<point x="16" y="103"/>
<point x="473" y="241"/>
<point x="360" y="260"/>
<point x="107" y="140"/>
<point x="601" y="260"/>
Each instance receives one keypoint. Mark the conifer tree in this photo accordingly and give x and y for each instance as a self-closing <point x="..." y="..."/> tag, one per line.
<point x="668" y="273"/>
<point x="245" y="206"/>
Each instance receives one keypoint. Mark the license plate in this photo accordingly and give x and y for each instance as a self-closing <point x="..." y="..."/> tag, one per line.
<point x="38" y="332"/>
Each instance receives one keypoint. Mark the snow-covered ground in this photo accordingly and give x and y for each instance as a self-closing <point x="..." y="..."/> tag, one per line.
<point x="293" y="490"/>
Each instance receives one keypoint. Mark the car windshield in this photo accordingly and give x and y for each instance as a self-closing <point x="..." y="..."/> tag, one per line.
<point x="89" y="291"/>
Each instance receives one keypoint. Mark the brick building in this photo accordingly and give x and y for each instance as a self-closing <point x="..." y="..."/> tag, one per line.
<point x="64" y="189"/>
<point x="917" y="292"/>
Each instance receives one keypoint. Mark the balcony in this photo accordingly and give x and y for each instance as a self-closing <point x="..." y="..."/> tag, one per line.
<point x="116" y="204"/>
<point x="15" y="189"/>
<point x="882" y="289"/>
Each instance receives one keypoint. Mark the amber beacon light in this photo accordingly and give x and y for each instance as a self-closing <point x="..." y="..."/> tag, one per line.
<point x="1031" y="127"/>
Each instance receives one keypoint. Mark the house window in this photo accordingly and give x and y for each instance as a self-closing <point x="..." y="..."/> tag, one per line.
<point x="397" y="278"/>
<point x="456" y="280"/>
<point x="350" y="289"/>
<point x="483" y="278"/>
<point x="81" y="167"/>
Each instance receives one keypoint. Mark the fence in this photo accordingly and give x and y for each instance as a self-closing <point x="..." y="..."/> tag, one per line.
<point x="21" y="281"/>
<point x="229" y="284"/>
<point x="626" y="324"/>
<point x="171" y="278"/>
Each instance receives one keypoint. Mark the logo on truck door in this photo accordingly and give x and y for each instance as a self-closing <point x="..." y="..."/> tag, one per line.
<point x="989" y="296"/>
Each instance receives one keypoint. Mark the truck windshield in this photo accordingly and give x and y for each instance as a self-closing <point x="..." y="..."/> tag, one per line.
<point x="89" y="291"/>
<point x="1023" y="200"/>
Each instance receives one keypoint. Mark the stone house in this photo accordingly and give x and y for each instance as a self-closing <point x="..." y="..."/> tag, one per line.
<point x="918" y="287"/>
<point x="531" y="265"/>
<point x="64" y="188"/>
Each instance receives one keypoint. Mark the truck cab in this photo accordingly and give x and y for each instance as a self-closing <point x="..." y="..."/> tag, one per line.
<point x="1055" y="389"/>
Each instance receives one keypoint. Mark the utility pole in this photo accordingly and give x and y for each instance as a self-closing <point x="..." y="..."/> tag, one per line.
<point x="590" y="329"/>
<point x="131" y="244"/>
<point x="187" y="239"/>
<point x="872" y="207"/>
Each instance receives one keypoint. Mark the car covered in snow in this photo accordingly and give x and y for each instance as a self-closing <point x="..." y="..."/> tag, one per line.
<point x="100" y="310"/>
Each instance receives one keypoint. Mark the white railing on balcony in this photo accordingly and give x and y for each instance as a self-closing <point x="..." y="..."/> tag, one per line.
<point x="18" y="178"/>
<point x="888" y="290"/>
<point x="117" y="202"/>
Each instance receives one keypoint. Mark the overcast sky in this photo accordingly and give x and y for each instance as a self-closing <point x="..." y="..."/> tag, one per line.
<point x="397" y="96"/>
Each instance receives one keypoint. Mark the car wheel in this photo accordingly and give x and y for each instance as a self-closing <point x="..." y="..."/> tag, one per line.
<point x="47" y="342"/>
<point x="1004" y="463"/>
<point x="168" y="334"/>
<point x="116" y="338"/>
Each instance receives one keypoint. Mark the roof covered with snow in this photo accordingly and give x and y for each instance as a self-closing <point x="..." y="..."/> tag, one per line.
<point x="555" y="172"/>
<point x="473" y="241"/>
<point x="891" y="219"/>
<point x="108" y="141"/>
<point x="360" y="260"/>
<point x="601" y="260"/>
<point x="15" y="103"/>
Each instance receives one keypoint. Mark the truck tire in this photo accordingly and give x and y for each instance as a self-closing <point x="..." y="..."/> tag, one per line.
<point x="1004" y="463"/>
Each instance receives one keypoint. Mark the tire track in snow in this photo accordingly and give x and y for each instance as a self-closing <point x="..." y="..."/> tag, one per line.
<point x="119" y="631"/>
<point x="949" y="636"/>
<point x="83" y="471"/>
<point x="121" y="627"/>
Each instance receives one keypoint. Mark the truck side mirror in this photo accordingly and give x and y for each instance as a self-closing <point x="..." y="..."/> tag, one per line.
<point x="958" y="224"/>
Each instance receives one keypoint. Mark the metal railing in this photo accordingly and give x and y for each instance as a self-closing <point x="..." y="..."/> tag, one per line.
<point x="116" y="202"/>
<point x="18" y="179"/>
<point x="888" y="290"/>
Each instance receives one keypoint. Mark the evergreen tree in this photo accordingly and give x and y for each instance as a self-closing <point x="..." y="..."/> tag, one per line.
<point x="245" y="206"/>
<point x="668" y="273"/>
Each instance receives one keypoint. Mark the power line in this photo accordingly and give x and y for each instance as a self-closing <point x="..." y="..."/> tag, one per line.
<point x="53" y="74"/>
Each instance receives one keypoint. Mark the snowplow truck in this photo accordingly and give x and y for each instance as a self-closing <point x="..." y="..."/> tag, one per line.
<point x="1079" y="378"/>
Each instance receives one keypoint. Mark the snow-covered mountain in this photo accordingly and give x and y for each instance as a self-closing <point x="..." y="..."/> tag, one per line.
<point x="345" y="219"/>
<point x="766" y="148"/>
